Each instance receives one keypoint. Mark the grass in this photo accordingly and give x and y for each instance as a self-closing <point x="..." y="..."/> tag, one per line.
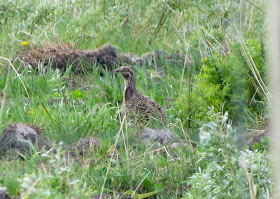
<point x="217" y="167"/>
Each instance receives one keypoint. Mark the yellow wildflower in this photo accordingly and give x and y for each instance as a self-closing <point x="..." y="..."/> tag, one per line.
<point x="24" y="43"/>
<point x="43" y="109"/>
<point x="31" y="111"/>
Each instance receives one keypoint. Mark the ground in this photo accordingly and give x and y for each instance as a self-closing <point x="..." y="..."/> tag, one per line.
<point x="197" y="59"/>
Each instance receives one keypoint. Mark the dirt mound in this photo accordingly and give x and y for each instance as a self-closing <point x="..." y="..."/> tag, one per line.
<point x="21" y="138"/>
<point x="156" y="58"/>
<point x="61" y="55"/>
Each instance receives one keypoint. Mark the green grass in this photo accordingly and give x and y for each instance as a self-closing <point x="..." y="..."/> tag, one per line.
<point x="209" y="33"/>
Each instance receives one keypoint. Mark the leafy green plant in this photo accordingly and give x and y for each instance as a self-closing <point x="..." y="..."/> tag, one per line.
<point x="226" y="84"/>
<point x="223" y="170"/>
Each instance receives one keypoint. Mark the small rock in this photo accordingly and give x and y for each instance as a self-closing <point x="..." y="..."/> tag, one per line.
<point x="158" y="138"/>
<point x="84" y="145"/>
<point x="161" y="136"/>
<point x="3" y="193"/>
<point x="20" y="138"/>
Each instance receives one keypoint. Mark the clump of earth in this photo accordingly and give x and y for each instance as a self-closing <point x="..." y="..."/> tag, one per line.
<point x="21" y="138"/>
<point x="3" y="193"/>
<point x="61" y="56"/>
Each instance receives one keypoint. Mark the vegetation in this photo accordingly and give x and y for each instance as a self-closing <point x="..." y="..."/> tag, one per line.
<point x="212" y="98"/>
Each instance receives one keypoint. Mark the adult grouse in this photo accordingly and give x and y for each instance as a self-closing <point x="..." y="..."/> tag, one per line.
<point x="135" y="104"/>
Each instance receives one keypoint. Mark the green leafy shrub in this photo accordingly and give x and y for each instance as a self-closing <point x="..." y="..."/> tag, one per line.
<point x="223" y="170"/>
<point x="226" y="84"/>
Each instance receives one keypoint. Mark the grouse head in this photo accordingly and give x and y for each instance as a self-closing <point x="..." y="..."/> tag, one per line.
<point x="126" y="72"/>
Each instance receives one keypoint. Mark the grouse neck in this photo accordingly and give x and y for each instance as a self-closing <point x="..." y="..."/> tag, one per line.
<point x="130" y="84"/>
<point x="130" y="91"/>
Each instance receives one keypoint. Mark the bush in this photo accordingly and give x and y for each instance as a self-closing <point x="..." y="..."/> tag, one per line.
<point x="224" y="171"/>
<point x="225" y="83"/>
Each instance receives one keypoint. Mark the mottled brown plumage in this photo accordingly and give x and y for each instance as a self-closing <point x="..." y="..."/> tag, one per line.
<point x="135" y="104"/>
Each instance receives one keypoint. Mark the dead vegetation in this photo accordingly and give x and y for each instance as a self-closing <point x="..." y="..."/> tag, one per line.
<point x="62" y="56"/>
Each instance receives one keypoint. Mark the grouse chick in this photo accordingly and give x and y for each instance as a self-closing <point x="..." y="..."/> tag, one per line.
<point x="135" y="104"/>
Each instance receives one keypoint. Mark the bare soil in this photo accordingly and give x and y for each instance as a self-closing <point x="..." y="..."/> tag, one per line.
<point x="63" y="55"/>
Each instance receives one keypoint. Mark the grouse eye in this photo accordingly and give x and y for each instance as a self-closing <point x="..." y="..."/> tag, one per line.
<point x="126" y="75"/>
